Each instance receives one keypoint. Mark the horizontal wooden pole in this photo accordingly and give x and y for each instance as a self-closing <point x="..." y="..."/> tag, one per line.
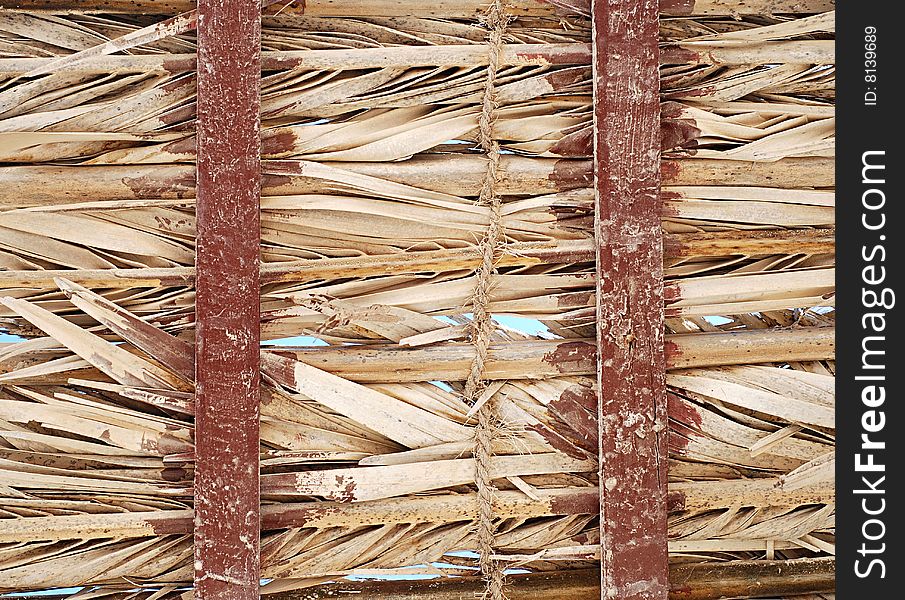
<point x="684" y="8"/>
<point x="810" y="52"/>
<point x="440" y="508"/>
<point x="454" y="55"/>
<point x="552" y="358"/>
<point x="752" y="578"/>
<point x="756" y="242"/>
<point x="713" y="495"/>
<point x="691" y="581"/>
<point x="460" y="9"/>
<point x="538" y="359"/>
<point x="747" y="243"/>
<point x="447" y="508"/>
<point x="790" y="173"/>
<point x="689" y="350"/>
<point x="47" y="185"/>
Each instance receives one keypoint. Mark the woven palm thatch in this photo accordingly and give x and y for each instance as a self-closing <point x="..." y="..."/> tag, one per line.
<point x="369" y="231"/>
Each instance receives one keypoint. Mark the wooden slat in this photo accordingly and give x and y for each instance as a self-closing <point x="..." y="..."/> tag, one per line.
<point x="630" y="363"/>
<point x="695" y="581"/>
<point x="748" y="579"/>
<point x="441" y="508"/>
<point x="227" y="390"/>
<point x="539" y="359"/>
<point x="459" y="9"/>
<point x="31" y="185"/>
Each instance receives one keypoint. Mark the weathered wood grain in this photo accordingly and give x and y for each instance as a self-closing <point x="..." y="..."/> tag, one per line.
<point x="630" y="361"/>
<point x="227" y="305"/>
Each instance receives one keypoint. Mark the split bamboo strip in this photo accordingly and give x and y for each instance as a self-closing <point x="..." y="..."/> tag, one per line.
<point x="812" y="52"/>
<point x="323" y="60"/>
<point x="758" y="243"/>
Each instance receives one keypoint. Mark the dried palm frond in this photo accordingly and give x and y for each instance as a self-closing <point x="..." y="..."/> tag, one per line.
<point x="370" y="234"/>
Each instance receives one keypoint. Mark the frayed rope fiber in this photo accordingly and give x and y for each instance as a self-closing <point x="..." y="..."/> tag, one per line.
<point x="482" y="325"/>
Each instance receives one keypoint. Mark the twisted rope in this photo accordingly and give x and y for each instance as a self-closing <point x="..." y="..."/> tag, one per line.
<point x="482" y="325"/>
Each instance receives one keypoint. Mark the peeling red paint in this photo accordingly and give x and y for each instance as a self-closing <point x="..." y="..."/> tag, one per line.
<point x="576" y="407"/>
<point x="227" y="305"/>
<point x="181" y="119"/>
<point x="633" y="440"/>
<point x="278" y="367"/>
<point x="679" y="440"/>
<point x="678" y="134"/>
<point x="277" y="143"/>
<point x="669" y="208"/>
<point x="672" y="246"/>
<point x="563" y="78"/>
<point x="575" y="300"/>
<point x="677" y="55"/>
<point x="174" y="474"/>
<point x="677" y="592"/>
<point x="572" y="357"/>
<point x="185" y="146"/>
<point x="677" y="8"/>
<point x="273" y="181"/>
<point x="179" y="65"/>
<point x="171" y="525"/>
<point x="671" y="352"/>
<point x="671" y="110"/>
<point x="284" y="516"/>
<point x="171" y="183"/>
<point x="576" y="144"/>
<point x="583" y="396"/>
<point x="683" y="411"/>
<point x="669" y="171"/>
<point x="675" y="501"/>
<point x="345" y="490"/>
<point x="585" y="502"/>
<point x="178" y="83"/>
<point x="671" y="294"/>
<point x="570" y="174"/>
<point x="670" y="195"/>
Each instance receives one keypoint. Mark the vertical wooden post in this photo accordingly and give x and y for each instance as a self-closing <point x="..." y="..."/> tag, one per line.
<point x="631" y="366"/>
<point x="227" y="305"/>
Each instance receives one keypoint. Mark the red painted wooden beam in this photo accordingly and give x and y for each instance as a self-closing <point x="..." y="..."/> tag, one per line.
<point x="630" y="363"/>
<point x="227" y="306"/>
